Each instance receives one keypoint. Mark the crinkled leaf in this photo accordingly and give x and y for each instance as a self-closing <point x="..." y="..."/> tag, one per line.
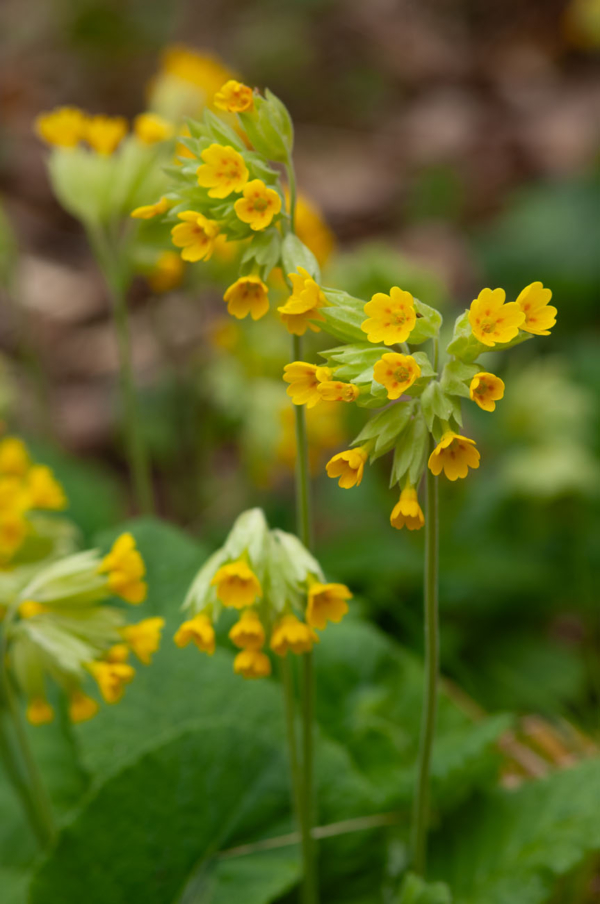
<point x="294" y="254"/>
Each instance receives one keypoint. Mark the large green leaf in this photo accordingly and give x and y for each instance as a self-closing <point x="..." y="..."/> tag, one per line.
<point x="261" y="877"/>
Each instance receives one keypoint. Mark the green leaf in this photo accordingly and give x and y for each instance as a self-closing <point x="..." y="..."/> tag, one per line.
<point x="416" y="890"/>
<point x="435" y="403"/>
<point x="410" y="452"/>
<point x="256" y="878"/>
<point x="294" y="254"/>
<point x="264" y="249"/>
<point x="221" y="132"/>
<point x="424" y="363"/>
<point x="385" y="428"/>
<point x="428" y="323"/>
<point x="356" y="360"/>
<point x="464" y="345"/>
<point x="344" y="317"/>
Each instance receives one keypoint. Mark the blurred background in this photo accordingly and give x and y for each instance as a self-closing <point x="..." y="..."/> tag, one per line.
<point x="441" y="146"/>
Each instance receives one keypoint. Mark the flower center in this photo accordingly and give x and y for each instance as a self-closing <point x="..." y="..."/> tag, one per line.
<point x="401" y="375"/>
<point x="399" y="318"/>
<point x="260" y="204"/>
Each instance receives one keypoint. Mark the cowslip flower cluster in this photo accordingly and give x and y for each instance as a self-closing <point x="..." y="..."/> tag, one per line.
<point x="58" y="625"/>
<point x="378" y="365"/>
<point x="276" y="586"/>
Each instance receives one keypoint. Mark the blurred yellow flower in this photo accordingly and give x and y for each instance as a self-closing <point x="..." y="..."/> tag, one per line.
<point x="349" y="466"/>
<point x="248" y="633"/>
<point x="237" y="585"/>
<point x="326" y="602"/>
<point x="150" y="128"/>
<point x="336" y="391"/>
<point x="30" y="608"/>
<point x="291" y="634"/>
<point x="222" y="172"/>
<point x="203" y="70"/>
<point x="454" y="455"/>
<point x="111" y="678"/>
<point x="105" y="133"/>
<point x="13" y="531"/>
<point x="396" y="372"/>
<point x="252" y="664"/>
<point x="407" y="512"/>
<point x="540" y="316"/>
<point x="247" y="295"/>
<point x="198" y="629"/>
<point x="44" y="490"/>
<point x="196" y="236"/>
<point x="391" y="317"/>
<point x="258" y="206"/>
<point x="147" y="211"/>
<point x="82" y="707"/>
<point x="167" y="272"/>
<point x="303" y="304"/>
<point x="144" y="637"/>
<point x="486" y="389"/>
<point x="304" y="381"/>
<point x="125" y="568"/>
<point x="312" y="229"/>
<point x="39" y="711"/>
<point x="234" y="97"/>
<point x="492" y="320"/>
<point x="14" y="457"/>
<point x="64" y="127"/>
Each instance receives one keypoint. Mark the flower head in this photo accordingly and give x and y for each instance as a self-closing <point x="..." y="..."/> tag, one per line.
<point x="105" y="133"/>
<point x="125" y="568"/>
<point x="492" y="320"/>
<point x="167" y="272"/>
<point x="144" y="638"/>
<point x="454" y="455"/>
<point x="149" y="128"/>
<point x="336" y="391"/>
<point x="147" y="211"/>
<point x="258" y="206"/>
<point x="486" y="389"/>
<point x="349" y="466"/>
<point x="247" y="295"/>
<point x="199" y="630"/>
<point x="111" y="678"/>
<point x="222" y="172"/>
<point x="248" y="633"/>
<point x="63" y="127"/>
<point x="407" y="512"/>
<point x="234" y="97"/>
<point x="303" y="304"/>
<point x="14" y="457"/>
<point x="196" y="236"/>
<point x="396" y="372"/>
<point x="292" y="634"/>
<point x="326" y="602"/>
<point x="39" y="711"/>
<point x="237" y="585"/>
<point x="252" y="664"/>
<point x="391" y="317"/>
<point x="82" y="707"/>
<point x="304" y="380"/>
<point x="43" y="489"/>
<point x="539" y="315"/>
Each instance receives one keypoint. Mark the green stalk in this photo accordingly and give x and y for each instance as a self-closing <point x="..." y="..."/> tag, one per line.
<point x="432" y="631"/>
<point x="287" y="683"/>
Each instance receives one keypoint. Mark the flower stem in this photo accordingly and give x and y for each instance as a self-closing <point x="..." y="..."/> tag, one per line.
<point x="421" y="803"/>
<point x="287" y="683"/>
<point x="291" y="174"/>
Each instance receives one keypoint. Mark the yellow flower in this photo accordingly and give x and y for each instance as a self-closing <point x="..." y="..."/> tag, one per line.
<point x="196" y="235"/>
<point x="150" y="128"/>
<point x="43" y="489"/>
<point x="492" y="320"/>
<point x="39" y="711"/>
<point x="539" y="315"/>
<point x="326" y="602"/>
<point x="147" y="211"/>
<point x="454" y="455"/>
<point x="303" y="304"/>
<point x="407" y="512"/>
<point x="111" y="678"/>
<point x="486" y="389"/>
<point x="144" y="637"/>
<point x="199" y="69"/>
<point x="336" y="391"/>
<point x="105" y="133"/>
<point x="234" y="97"/>
<point x="82" y="707"/>
<point x="248" y="633"/>
<point x="312" y="229"/>
<point x="304" y="380"/>
<point x="396" y="372"/>
<point x="119" y="652"/>
<point x="349" y="466"/>
<point x="252" y="664"/>
<point x="167" y="272"/>
<point x="247" y="295"/>
<point x="222" y="172"/>
<point x="391" y="317"/>
<point x="200" y="630"/>
<point x="63" y="127"/>
<point x="237" y="585"/>
<point x="14" y="457"/>
<point x="125" y="568"/>
<point x="258" y="206"/>
<point x="29" y="608"/>
<point x="291" y="634"/>
<point x="13" y="530"/>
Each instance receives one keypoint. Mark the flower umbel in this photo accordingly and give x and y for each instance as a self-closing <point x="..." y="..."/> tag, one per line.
<point x="222" y="172"/>
<point x="237" y="585"/>
<point x="407" y="512"/>
<point x="196" y="236"/>
<point x="348" y="466"/>
<point x="326" y="602"/>
<point x="304" y="380"/>
<point x="247" y="295"/>
<point x="391" y="317"/>
<point x="258" y="206"/>
<point x="486" y="389"/>
<point x="454" y="455"/>
<point x="540" y="316"/>
<point x="492" y="320"/>
<point x="396" y="372"/>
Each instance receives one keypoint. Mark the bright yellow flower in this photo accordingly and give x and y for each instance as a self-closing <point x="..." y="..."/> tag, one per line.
<point x="486" y="389"/>
<point x="407" y="512"/>
<point x="396" y="372"/>
<point x="150" y="128"/>
<point x="454" y="455"/>
<point x="30" y="608"/>
<point x="237" y="585"/>
<point x="198" y="629"/>
<point x="144" y="637"/>
<point x="125" y="568"/>
<point x="105" y="133"/>
<point x="303" y="304"/>
<point x="82" y="707"/>
<point x="247" y="295"/>
<point x="304" y="380"/>
<point x="312" y="229"/>
<point x="336" y="391"/>
<point x="349" y="466"/>
<point x="111" y="678"/>
<point x="258" y="206"/>
<point x="196" y="235"/>
<point x="167" y="272"/>
<point x="39" y="711"/>
<point x="222" y="172"/>
<point x="290" y="633"/>
<point x="391" y="317"/>
<point x="326" y="602"/>
<point x="44" y="490"/>
<point x="492" y="320"/>
<point x="252" y="664"/>
<point x="14" y="457"/>
<point x="147" y="211"/>
<point x="63" y="127"/>
<point x="540" y="316"/>
<point x="235" y="97"/>
<point x="248" y="633"/>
